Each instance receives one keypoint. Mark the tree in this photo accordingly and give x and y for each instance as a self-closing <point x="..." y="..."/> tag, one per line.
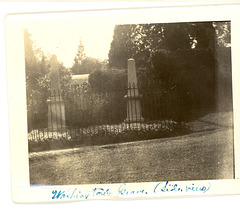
<point x="37" y="68"/>
<point x="84" y="64"/>
<point x="110" y="80"/>
<point x="223" y="32"/>
<point x="122" y="46"/>
<point x="171" y="55"/>
<point x="142" y="41"/>
<point x="224" y="66"/>
<point x="65" y="77"/>
<point x="80" y="56"/>
<point x="89" y="65"/>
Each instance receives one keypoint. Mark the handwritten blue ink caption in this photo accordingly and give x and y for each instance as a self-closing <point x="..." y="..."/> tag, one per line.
<point x="77" y="194"/>
<point x="124" y="191"/>
<point x="164" y="187"/>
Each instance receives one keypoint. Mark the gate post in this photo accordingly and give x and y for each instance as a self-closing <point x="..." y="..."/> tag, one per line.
<point x="134" y="111"/>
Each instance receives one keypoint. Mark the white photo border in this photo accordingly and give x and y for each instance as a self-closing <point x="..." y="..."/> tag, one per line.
<point x="22" y="192"/>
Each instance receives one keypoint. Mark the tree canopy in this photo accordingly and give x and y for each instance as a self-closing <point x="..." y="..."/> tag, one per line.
<point x="37" y="68"/>
<point x="142" y="41"/>
<point x="174" y="55"/>
<point x="83" y="64"/>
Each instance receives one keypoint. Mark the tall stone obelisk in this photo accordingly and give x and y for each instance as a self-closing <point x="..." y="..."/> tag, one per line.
<point x="134" y="111"/>
<point x="56" y="108"/>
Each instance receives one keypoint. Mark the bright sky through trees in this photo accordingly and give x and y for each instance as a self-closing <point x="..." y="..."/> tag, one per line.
<point x="61" y="36"/>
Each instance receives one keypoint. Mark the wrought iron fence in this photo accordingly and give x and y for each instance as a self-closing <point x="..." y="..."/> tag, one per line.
<point x="81" y="112"/>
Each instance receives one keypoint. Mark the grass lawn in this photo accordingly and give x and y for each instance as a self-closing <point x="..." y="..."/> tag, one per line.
<point x="207" y="153"/>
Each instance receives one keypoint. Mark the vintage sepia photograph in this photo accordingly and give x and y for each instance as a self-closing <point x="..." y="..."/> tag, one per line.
<point x="123" y="103"/>
<point x="126" y="103"/>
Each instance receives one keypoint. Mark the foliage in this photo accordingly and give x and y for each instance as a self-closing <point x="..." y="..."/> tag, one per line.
<point x="88" y="65"/>
<point x="37" y="68"/>
<point x="40" y="140"/>
<point x="65" y="77"/>
<point x="87" y="106"/>
<point x="83" y="64"/>
<point x="109" y="80"/>
<point x="122" y="46"/>
<point x="223" y="33"/>
<point x="80" y="56"/>
<point x="142" y="41"/>
<point x="180" y="55"/>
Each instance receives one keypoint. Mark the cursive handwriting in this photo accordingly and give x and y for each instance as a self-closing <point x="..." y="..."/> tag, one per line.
<point x="101" y="192"/>
<point x="75" y="194"/>
<point x="167" y="187"/>
<point x="125" y="190"/>
<point x="163" y="187"/>
<point x="122" y="190"/>
<point x="195" y="188"/>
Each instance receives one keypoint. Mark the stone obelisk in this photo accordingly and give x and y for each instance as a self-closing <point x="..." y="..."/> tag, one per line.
<point x="134" y="111"/>
<point x="56" y="108"/>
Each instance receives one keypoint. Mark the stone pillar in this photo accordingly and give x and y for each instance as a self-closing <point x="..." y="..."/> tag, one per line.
<point x="56" y="108"/>
<point x="134" y="111"/>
